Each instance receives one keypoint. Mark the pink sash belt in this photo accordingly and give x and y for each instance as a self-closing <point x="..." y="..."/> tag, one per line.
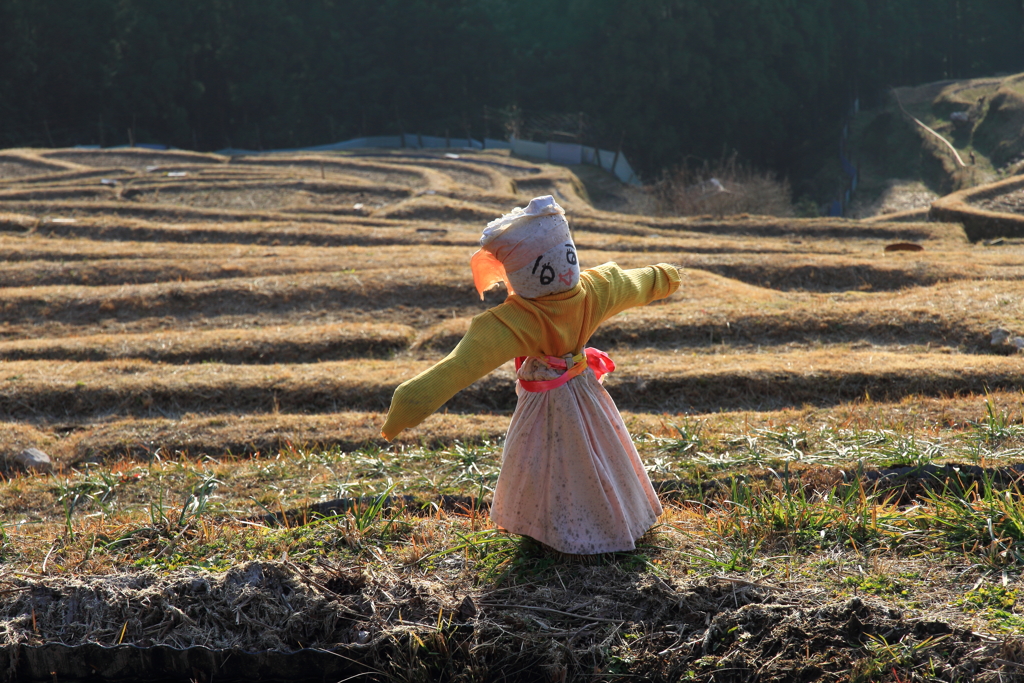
<point x="599" y="361"/>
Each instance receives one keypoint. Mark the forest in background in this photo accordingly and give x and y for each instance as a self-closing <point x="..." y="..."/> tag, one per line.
<point x="668" y="80"/>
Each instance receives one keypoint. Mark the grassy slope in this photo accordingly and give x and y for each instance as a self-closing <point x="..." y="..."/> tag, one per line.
<point x="797" y="402"/>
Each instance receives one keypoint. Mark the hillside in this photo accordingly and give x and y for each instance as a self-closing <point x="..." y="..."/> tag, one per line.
<point x="207" y="345"/>
<point x="904" y="166"/>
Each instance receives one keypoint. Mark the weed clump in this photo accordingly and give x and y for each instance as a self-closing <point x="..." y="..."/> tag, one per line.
<point x="726" y="187"/>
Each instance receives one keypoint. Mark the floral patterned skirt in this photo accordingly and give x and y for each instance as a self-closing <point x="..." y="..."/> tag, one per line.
<point x="571" y="477"/>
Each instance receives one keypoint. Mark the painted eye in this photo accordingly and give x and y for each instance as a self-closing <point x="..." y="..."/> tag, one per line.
<point x="570" y="256"/>
<point x="547" y="274"/>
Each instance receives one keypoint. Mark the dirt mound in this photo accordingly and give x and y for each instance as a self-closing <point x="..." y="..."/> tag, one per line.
<point x="252" y="607"/>
<point x="131" y="158"/>
<point x="718" y="628"/>
<point x="831" y="642"/>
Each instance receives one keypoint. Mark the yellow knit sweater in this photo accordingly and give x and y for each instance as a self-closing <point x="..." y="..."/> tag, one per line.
<point x="552" y="325"/>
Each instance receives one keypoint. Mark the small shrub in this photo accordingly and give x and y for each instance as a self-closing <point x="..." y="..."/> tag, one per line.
<point x="724" y="188"/>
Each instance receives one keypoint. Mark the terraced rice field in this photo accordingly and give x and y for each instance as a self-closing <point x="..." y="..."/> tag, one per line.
<point x="168" y="289"/>
<point x="834" y="434"/>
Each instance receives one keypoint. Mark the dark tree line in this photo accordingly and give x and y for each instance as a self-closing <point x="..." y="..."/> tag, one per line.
<point x="666" y="78"/>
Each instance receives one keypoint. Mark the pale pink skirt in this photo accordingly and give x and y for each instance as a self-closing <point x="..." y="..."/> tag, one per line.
<point x="570" y="475"/>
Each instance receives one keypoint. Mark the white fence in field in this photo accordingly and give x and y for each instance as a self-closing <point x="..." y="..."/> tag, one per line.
<point x="571" y="154"/>
<point x="555" y="152"/>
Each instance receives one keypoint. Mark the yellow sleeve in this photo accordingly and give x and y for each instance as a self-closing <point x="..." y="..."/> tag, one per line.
<point x="487" y="344"/>
<point x="616" y="290"/>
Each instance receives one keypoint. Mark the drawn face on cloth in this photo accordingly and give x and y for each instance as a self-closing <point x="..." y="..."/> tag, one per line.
<point x="530" y="249"/>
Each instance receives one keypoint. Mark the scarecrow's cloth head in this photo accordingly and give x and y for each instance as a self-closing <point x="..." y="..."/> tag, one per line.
<point x="530" y="249"/>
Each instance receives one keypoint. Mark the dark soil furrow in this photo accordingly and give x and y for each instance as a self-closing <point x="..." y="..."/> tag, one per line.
<point x="82" y="402"/>
<point x="831" y="328"/>
<point x="73" y="178"/>
<point x="73" y="440"/>
<point x="132" y="158"/>
<point x="143" y="271"/>
<point x="99" y="192"/>
<point x="822" y="273"/>
<point x="773" y="390"/>
<point x="705" y="337"/>
<point x="745" y="331"/>
<point x="18" y="249"/>
<point x="60" y="392"/>
<point x="811" y="228"/>
<point x="822" y="276"/>
<point x="707" y="309"/>
<point x="207" y="184"/>
<point x="74" y="243"/>
<point x="321" y="229"/>
<point x="262" y="296"/>
<point x="300" y="344"/>
<point x="172" y="213"/>
<point x="303" y="622"/>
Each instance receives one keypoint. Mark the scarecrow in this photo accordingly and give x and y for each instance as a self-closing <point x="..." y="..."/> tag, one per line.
<point x="570" y="476"/>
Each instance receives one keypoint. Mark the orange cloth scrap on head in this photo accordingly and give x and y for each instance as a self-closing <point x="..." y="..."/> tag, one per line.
<point x="553" y="325"/>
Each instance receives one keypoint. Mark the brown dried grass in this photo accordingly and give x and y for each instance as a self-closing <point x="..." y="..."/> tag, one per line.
<point x="332" y="166"/>
<point x="131" y="158"/>
<point x="851" y="231"/>
<point x="711" y="310"/>
<point x="157" y="237"/>
<point x="656" y="381"/>
<point x="27" y="163"/>
<point x="262" y="195"/>
<point x="173" y="214"/>
<point x="724" y="188"/>
<point x="359" y="274"/>
<point x="782" y="327"/>
<point x="16" y="222"/>
<point x="435" y="283"/>
<point x="343" y="228"/>
<point x="246" y="346"/>
<point x="751" y="280"/>
<point x="72" y="443"/>
<point x="272" y="296"/>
